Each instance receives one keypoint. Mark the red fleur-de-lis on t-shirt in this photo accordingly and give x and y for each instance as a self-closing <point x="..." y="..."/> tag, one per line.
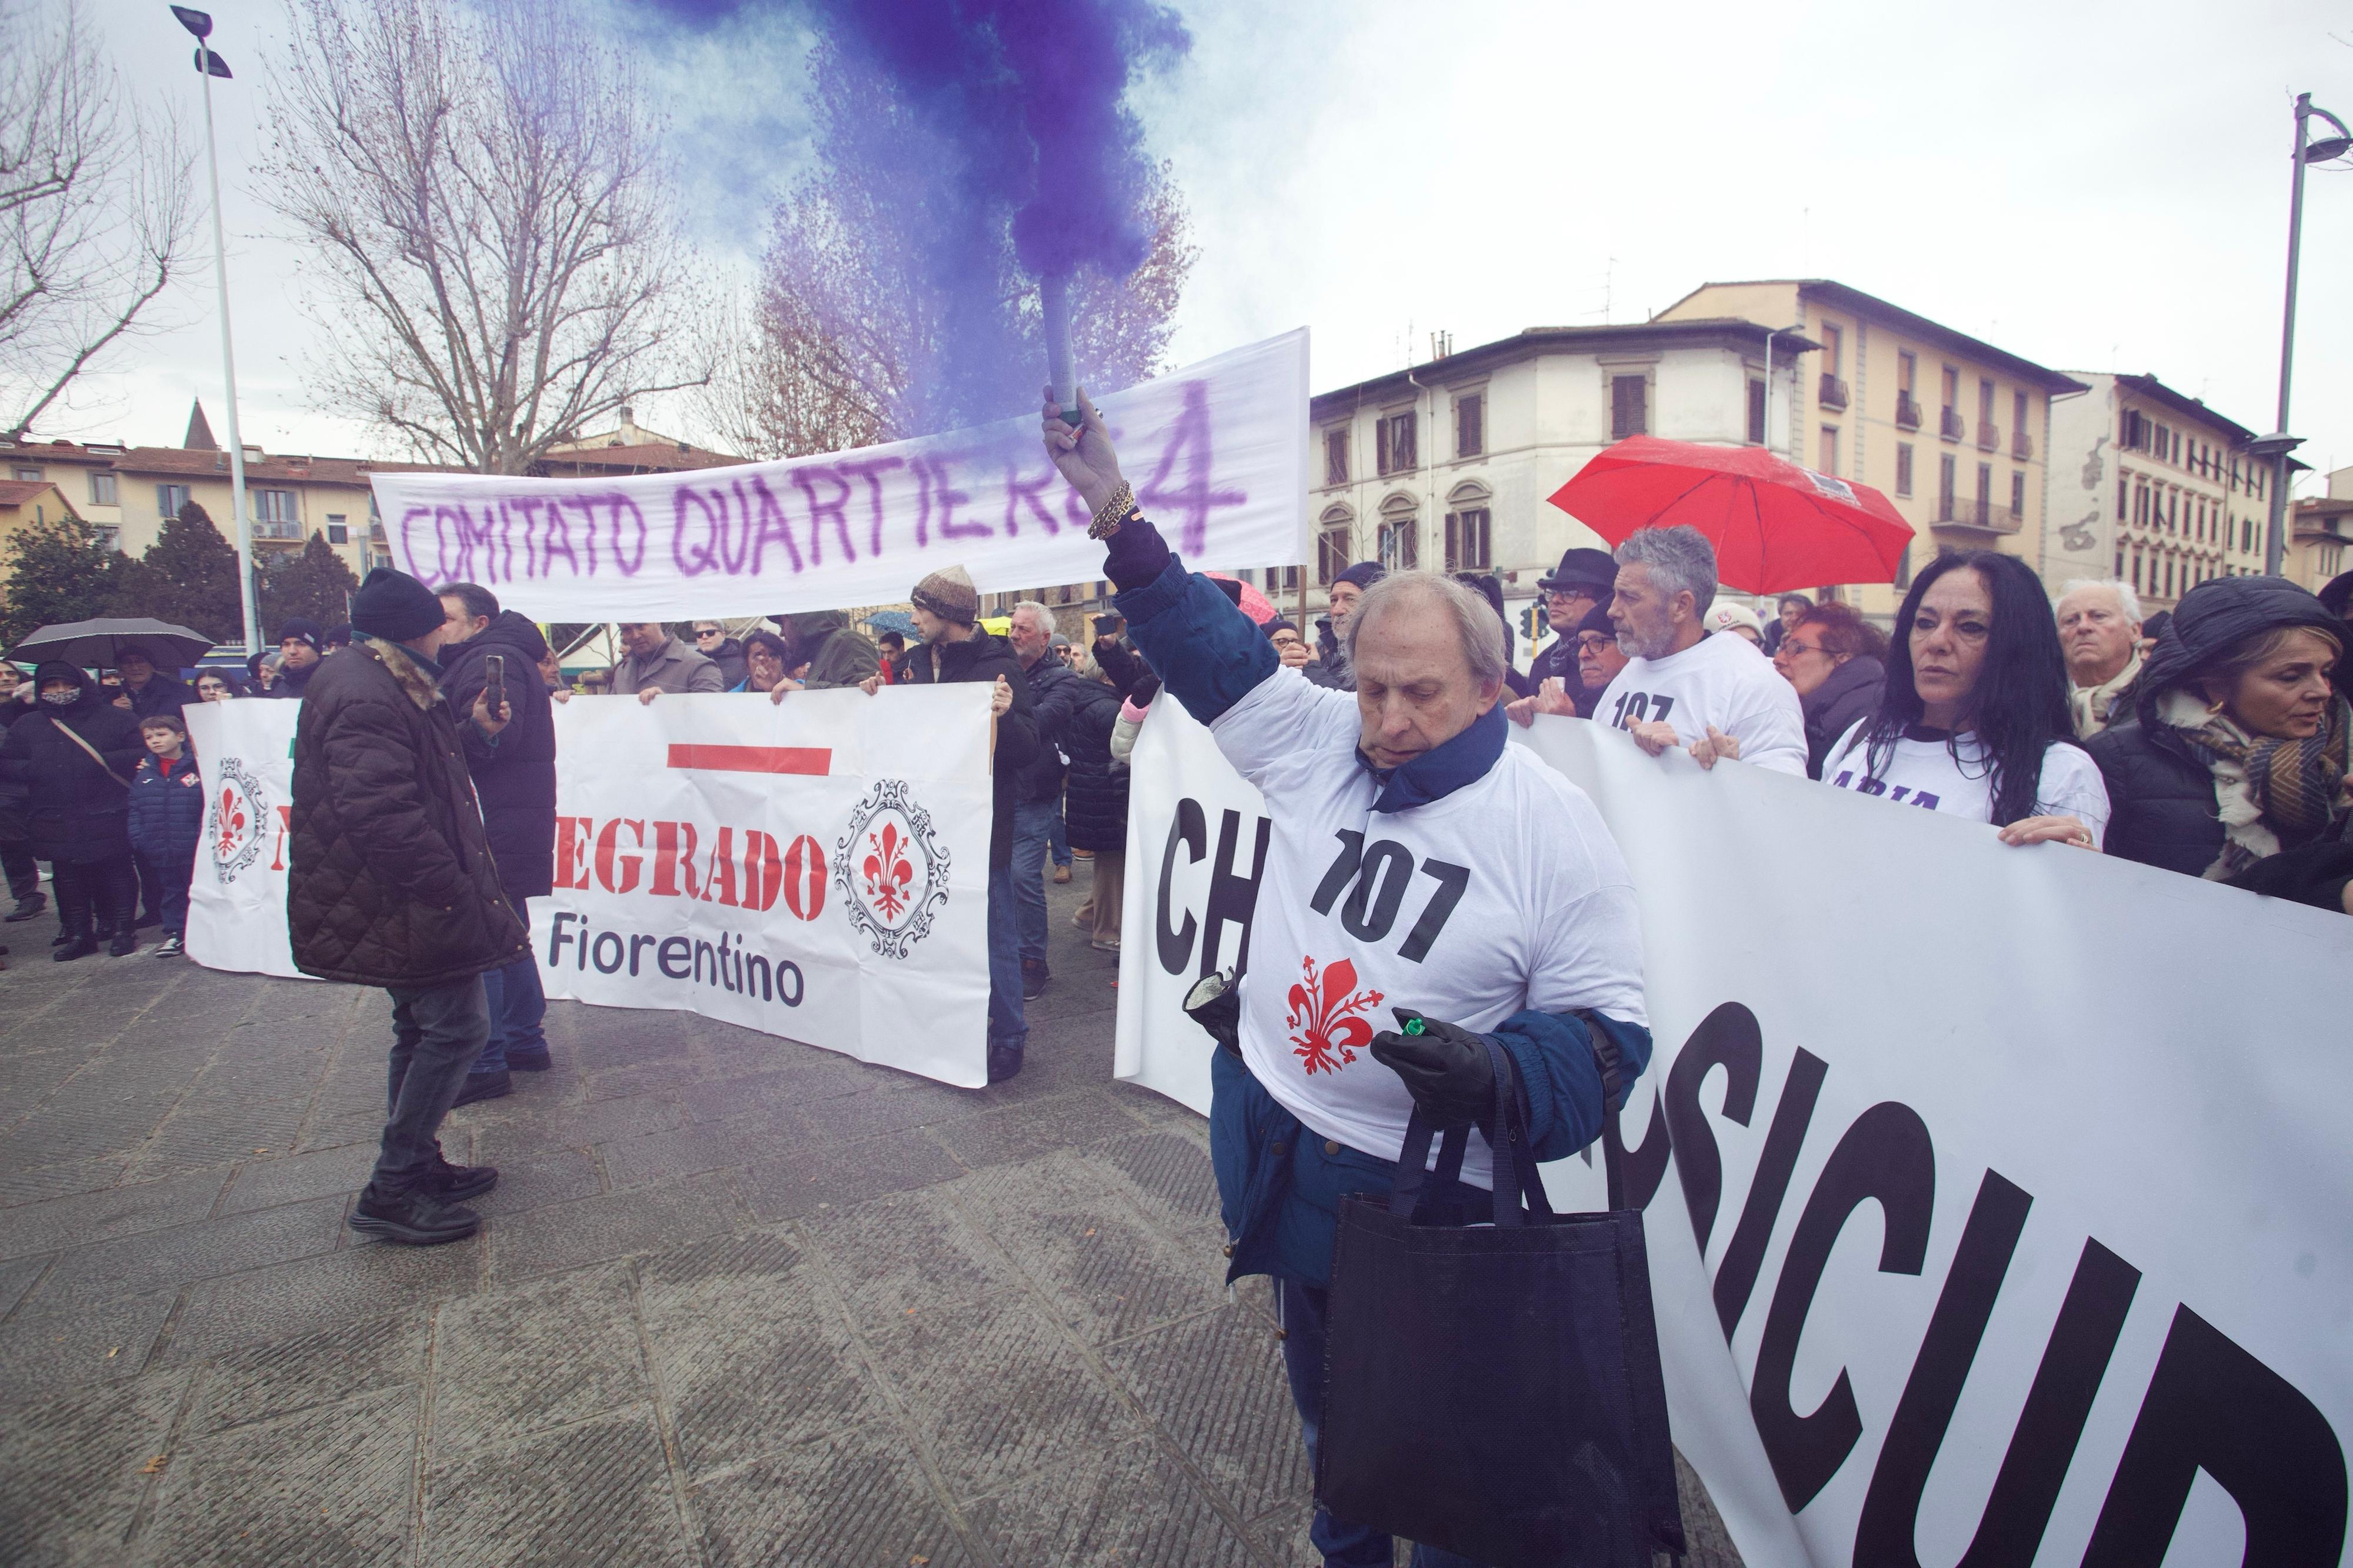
<point x="1326" y="1031"/>
<point x="888" y="871"/>
<point x="232" y="821"/>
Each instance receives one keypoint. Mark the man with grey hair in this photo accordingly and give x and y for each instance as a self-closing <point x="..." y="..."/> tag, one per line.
<point x="2099" y="633"/>
<point x="1415" y="862"/>
<point x="1713" y="694"/>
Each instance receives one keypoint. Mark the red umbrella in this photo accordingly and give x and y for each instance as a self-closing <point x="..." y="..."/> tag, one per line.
<point x="1775" y="526"/>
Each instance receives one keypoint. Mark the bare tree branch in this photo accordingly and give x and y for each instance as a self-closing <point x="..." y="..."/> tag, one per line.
<point x="494" y="221"/>
<point x="98" y="213"/>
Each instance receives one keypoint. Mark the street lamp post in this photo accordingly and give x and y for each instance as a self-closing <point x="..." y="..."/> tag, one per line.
<point x="2279" y="443"/>
<point x="208" y="66"/>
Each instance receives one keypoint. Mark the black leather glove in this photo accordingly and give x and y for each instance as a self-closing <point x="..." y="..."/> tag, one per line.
<point x="1215" y="1004"/>
<point x="1445" y="1068"/>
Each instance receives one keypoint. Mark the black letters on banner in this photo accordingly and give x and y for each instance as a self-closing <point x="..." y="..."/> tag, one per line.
<point x="1233" y="897"/>
<point x="1189" y="829"/>
<point x="1727" y="1038"/>
<point x="1744" y="1253"/>
<point x="2211" y="1406"/>
<point x="1885" y="1155"/>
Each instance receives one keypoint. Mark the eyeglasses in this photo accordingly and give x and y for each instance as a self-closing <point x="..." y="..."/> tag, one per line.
<point x="1562" y="595"/>
<point x="1595" y="643"/>
<point x="709" y="632"/>
<point x="1789" y="646"/>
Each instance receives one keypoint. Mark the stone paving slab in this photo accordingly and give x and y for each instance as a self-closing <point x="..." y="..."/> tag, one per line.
<point x="735" y="1301"/>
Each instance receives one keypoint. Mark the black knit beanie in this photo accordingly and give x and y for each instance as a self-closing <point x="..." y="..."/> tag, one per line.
<point x="394" y="606"/>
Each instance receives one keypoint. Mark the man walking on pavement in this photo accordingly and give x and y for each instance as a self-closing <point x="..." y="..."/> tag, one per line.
<point x="954" y="649"/>
<point x="391" y="884"/>
<point x="514" y="779"/>
<point x="1038" y="807"/>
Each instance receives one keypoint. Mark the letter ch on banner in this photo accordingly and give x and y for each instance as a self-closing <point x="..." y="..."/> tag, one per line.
<point x="1218" y="453"/>
<point x="1971" y="1256"/>
<point x="816" y="870"/>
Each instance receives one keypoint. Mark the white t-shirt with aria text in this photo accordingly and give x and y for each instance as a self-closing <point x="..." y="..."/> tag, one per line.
<point x="1953" y="774"/>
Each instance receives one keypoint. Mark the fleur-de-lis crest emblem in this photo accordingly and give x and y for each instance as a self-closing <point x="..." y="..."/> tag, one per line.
<point x="893" y="868"/>
<point x="1326" y="1020"/>
<point x="231" y="820"/>
<point x="888" y="871"/>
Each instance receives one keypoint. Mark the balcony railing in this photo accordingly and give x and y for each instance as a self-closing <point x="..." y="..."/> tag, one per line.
<point x="1988" y="436"/>
<point x="1951" y="425"/>
<point x="1991" y="516"/>
<point x="2021" y="445"/>
<point x="1832" y="392"/>
<point x="1907" y="411"/>
<point x="286" y="530"/>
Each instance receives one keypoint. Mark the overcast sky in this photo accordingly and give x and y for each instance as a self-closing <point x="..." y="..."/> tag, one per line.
<point x="2093" y="186"/>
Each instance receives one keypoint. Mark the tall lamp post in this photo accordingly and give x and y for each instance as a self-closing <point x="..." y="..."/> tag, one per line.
<point x="208" y="66"/>
<point x="2277" y="444"/>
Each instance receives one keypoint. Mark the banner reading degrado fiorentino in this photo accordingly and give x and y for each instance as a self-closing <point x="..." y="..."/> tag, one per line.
<point x="817" y="870"/>
<point x="1997" y="1197"/>
<point x="1217" y="452"/>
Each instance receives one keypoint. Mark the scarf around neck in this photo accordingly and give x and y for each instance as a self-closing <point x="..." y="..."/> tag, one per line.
<point x="2267" y="792"/>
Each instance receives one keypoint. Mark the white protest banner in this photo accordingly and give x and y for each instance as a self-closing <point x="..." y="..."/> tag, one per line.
<point x="1218" y="453"/>
<point x="1997" y="1197"/>
<point x="236" y="898"/>
<point x="817" y="868"/>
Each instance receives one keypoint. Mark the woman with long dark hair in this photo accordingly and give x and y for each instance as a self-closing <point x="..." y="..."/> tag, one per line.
<point x="1973" y="719"/>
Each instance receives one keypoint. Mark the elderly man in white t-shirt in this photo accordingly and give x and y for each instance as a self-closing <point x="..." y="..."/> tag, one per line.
<point x="1416" y="861"/>
<point x="1711" y="692"/>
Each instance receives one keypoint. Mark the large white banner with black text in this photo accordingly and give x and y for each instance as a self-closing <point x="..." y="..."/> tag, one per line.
<point x="1997" y="1197"/>
<point x="1217" y="452"/>
<point x="816" y="869"/>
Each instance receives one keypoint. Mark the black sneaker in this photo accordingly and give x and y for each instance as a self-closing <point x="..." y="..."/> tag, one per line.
<point x="495" y="1085"/>
<point x="1004" y="1062"/>
<point x="528" y="1059"/>
<point x="455" y="1184"/>
<point x="75" y="947"/>
<point x="123" y="944"/>
<point x="27" y="907"/>
<point x="1034" y="978"/>
<point x="417" y="1218"/>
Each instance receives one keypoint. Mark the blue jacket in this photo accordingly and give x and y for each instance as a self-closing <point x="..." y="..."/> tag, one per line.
<point x="167" y="810"/>
<point x="1278" y="1183"/>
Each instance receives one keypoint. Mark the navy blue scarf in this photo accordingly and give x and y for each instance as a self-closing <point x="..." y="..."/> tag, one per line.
<point x="1443" y="769"/>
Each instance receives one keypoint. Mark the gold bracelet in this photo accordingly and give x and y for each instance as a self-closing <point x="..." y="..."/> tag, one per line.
<point x="1113" y="512"/>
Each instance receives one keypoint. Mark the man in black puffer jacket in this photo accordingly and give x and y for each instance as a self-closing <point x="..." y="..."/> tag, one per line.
<point x="514" y="779"/>
<point x="954" y="649"/>
<point x="391" y="883"/>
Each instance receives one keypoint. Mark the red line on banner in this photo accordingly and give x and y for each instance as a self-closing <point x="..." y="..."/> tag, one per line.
<point x="813" y="759"/>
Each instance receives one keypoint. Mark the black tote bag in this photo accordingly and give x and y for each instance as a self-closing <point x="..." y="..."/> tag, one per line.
<point x="1494" y="1390"/>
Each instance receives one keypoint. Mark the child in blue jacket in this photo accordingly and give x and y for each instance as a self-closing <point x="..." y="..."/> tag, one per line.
<point x="167" y="819"/>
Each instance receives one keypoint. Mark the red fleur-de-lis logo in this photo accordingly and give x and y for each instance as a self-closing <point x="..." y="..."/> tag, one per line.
<point x="232" y="821"/>
<point x="888" y="872"/>
<point x="1327" y="1030"/>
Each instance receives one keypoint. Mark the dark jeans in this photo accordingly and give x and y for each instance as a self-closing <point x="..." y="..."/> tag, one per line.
<point x="1344" y="1545"/>
<point x="170" y="881"/>
<point x="1007" y="1027"/>
<point x="517" y="1004"/>
<point x="150" y="889"/>
<point x="95" y="896"/>
<point x="1059" y="843"/>
<point x="437" y="1032"/>
<point x="1033" y="826"/>
<point x="24" y="871"/>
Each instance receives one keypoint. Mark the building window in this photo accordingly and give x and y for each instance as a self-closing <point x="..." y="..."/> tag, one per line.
<point x="273" y="506"/>
<point x="1629" y="406"/>
<point x="25" y="473"/>
<point x="1755" y="412"/>
<point x="1333" y="547"/>
<point x="1985" y="490"/>
<point x="1828" y="460"/>
<point x="1949" y="421"/>
<point x="1903" y="568"/>
<point x="1946" y="475"/>
<point x="1903" y="468"/>
<point x="2247" y="534"/>
<point x="1833" y="351"/>
<point x="1907" y="389"/>
<point x="2124" y="493"/>
<point x="2136" y="572"/>
<point x="2168" y="579"/>
<point x="337" y="533"/>
<point x="1335" y="457"/>
<point x="170" y="500"/>
<point x="2016" y="493"/>
<point x="1469" y="426"/>
<point x="101" y="489"/>
<point x="2120" y="563"/>
<point x="1400" y="541"/>
<point x="1393" y="444"/>
<point x="108" y="536"/>
<point x="1466" y="540"/>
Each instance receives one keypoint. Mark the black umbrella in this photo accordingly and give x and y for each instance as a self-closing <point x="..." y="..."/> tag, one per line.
<point x="98" y="645"/>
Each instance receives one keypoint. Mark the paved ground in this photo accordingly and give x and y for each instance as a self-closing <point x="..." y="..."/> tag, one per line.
<point x="739" y="1301"/>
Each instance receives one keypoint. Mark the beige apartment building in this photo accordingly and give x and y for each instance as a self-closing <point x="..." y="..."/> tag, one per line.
<point x="2318" y="544"/>
<point x="1952" y="429"/>
<point x="2150" y="486"/>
